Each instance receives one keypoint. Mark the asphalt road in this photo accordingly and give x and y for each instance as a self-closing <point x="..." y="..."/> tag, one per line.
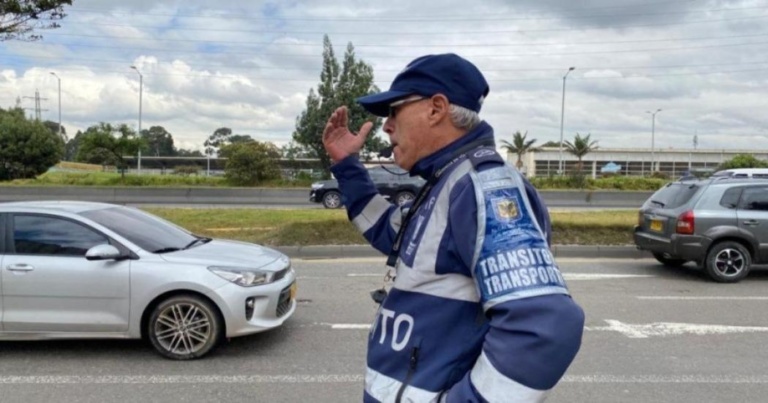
<point x="653" y="335"/>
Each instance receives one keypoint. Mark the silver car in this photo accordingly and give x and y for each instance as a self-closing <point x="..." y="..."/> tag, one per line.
<point x="94" y="270"/>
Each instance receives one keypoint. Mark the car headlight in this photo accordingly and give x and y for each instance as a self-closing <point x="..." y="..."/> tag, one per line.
<point x="316" y="186"/>
<point x="243" y="277"/>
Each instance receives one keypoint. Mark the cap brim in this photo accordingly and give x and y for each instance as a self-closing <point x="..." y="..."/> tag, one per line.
<point x="378" y="104"/>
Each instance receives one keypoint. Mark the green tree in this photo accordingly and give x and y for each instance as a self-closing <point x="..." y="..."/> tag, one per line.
<point x="159" y="141"/>
<point x="54" y="128"/>
<point x="108" y="144"/>
<point x="580" y="147"/>
<point x="251" y="163"/>
<point x="742" y="161"/>
<point x="293" y="151"/>
<point x="555" y="144"/>
<point x="239" y="138"/>
<point x="217" y="140"/>
<point x="519" y="145"/>
<point x="182" y="152"/>
<point x="19" y="18"/>
<point x="71" y="147"/>
<point x="27" y="147"/>
<point x="339" y="85"/>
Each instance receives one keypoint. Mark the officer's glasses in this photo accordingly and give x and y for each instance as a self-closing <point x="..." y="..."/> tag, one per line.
<point x="393" y="107"/>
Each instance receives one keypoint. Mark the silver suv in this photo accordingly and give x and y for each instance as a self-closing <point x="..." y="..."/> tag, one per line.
<point x="720" y="223"/>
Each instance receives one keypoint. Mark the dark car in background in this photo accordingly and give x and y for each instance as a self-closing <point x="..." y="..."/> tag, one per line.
<point x="392" y="182"/>
<point x="721" y="223"/>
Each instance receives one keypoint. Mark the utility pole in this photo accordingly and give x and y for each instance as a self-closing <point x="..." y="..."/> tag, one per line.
<point x="141" y="91"/>
<point x="653" y="139"/>
<point x="38" y="107"/>
<point x="562" y="120"/>
<point x="61" y="131"/>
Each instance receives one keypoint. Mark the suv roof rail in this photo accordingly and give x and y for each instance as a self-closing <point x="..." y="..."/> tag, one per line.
<point x="737" y="178"/>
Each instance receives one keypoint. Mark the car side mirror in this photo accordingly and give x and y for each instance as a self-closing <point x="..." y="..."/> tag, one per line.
<point x="103" y="252"/>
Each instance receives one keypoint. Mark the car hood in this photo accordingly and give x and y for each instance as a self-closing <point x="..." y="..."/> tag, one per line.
<point x="221" y="252"/>
<point x="327" y="183"/>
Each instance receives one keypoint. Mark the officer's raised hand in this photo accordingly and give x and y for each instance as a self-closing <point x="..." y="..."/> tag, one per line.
<point x="338" y="140"/>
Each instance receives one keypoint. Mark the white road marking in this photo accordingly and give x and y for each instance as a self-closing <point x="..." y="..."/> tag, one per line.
<point x="663" y="329"/>
<point x="712" y="298"/>
<point x="598" y="276"/>
<point x="353" y="378"/>
<point x="735" y="379"/>
<point x="180" y="379"/>
<point x="567" y="276"/>
<point x="350" y="326"/>
<point x="633" y="331"/>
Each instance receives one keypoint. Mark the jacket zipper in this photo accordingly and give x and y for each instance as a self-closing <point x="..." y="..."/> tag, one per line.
<point x="412" y="362"/>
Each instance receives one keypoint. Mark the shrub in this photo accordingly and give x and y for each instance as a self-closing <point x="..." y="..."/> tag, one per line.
<point x="186" y="170"/>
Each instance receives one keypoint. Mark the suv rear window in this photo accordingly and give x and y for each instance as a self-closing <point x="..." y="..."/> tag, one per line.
<point x="673" y="195"/>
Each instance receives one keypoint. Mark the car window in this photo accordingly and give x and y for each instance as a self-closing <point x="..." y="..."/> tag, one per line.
<point x="47" y="235"/>
<point x="674" y="195"/>
<point x="380" y="176"/>
<point x="730" y="198"/>
<point x="755" y="198"/>
<point x="146" y="231"/>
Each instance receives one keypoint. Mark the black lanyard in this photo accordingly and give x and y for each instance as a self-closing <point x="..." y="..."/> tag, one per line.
<point x="424" y="192"/>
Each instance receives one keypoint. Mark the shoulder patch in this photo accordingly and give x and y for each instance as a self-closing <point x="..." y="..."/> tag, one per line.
<point x="483" y="155"/>
<point x="506" y="208"/>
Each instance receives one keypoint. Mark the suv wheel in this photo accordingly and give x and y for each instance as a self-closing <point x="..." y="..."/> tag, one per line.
<point x="404" y="197"/>
<point x="669" y="260"/>
<point x="728" y="262"/>
<point x="332" y="199"/>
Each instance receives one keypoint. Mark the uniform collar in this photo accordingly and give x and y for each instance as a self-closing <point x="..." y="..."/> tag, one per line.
<point x="428" y="165"/>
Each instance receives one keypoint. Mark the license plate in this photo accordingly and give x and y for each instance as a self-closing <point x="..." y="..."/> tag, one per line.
<point x="294" y="288"/>
<point x="657" y="226"/>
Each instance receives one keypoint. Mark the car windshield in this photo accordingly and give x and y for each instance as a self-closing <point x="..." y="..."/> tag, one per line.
<point x="147" y="231"/>
<point x="674" y="195"/>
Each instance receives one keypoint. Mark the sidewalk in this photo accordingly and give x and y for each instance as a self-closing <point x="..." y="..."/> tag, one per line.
<point x="564" y="251"/>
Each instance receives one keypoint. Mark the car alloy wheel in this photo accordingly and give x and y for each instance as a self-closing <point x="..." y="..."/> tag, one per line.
<point x="184" y="327"/>
<point x="728" y="262"/>
<point x="332" y="199"/>
<point x="404" y="197"/>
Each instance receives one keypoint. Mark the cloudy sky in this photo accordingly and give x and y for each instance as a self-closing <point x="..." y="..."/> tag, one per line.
<point x="249" y="67"/>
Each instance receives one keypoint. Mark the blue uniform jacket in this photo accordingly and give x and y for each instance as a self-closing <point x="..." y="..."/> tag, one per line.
<point x="479" y="310"/>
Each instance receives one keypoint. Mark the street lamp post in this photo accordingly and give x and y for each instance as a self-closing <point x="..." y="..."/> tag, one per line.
<point x="562" y="119"/>
<point x="59" y="80"/>
<point x="653" y="139"/>
<point x="141" y="91"/>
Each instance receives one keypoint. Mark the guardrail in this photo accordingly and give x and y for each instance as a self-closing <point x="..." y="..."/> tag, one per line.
<point x="272" y="196"/>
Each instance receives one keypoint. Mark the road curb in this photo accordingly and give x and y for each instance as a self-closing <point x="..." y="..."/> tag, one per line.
<point x="564" y="251"/>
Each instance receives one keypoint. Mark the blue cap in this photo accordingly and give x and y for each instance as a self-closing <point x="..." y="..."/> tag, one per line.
<point x="448" y="74"/>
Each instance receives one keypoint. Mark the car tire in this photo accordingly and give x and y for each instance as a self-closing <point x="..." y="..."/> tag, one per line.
<point x="184" y="327"/>
<point x="332" y="199"/>
<point x="404" y="197"/>
<point x="669" y="260"/>
<point x="728" y="262"/>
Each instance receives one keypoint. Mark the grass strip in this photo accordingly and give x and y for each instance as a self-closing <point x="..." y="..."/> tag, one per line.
<point x="278" y="227"/>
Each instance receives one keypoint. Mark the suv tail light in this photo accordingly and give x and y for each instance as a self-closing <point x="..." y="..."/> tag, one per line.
<point x="685" y="223"/>
<point x="640" y="218"/>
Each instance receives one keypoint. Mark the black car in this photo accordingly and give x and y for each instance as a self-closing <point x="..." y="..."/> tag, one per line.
<point x="393" y="182"/>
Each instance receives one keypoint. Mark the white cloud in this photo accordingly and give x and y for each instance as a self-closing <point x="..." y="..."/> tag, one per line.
<point x="249" y="66"/>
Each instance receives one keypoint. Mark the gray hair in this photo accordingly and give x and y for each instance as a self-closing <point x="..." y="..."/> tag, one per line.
<point x="464" y="118"/>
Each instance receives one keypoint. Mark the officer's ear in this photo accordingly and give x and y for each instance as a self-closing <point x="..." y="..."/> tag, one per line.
<point x="439" y="109"/>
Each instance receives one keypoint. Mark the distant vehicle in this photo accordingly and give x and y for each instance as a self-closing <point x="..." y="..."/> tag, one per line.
<point x="72" y="270"/>
<point x="742" y="173"/>
<point x="392" y="182"/>
<point x="721" y="223"/>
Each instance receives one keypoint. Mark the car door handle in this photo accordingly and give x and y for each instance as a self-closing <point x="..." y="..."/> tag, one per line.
<point x="20" y="267"/>
<point x="751" y="223"/>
